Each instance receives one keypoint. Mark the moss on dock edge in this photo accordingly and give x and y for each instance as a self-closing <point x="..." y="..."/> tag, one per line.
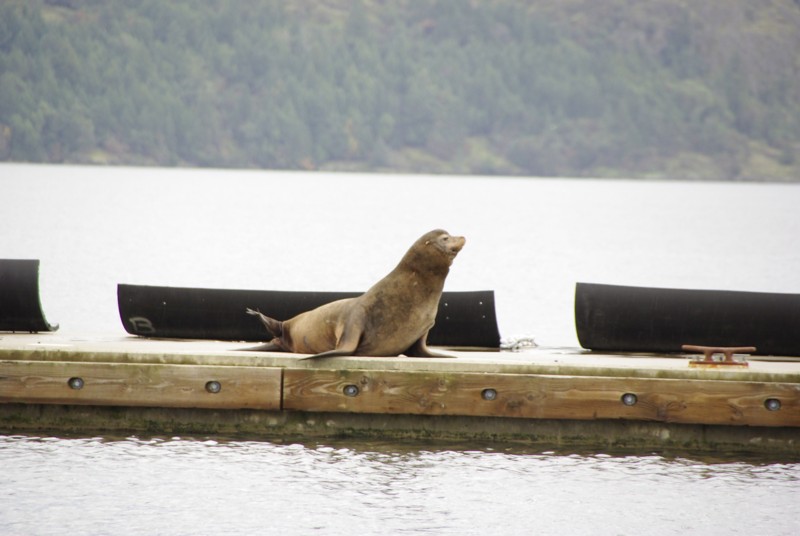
<point x="635" y="436"/>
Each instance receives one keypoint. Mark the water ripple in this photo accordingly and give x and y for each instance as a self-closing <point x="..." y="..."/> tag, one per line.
<point x="187" y="486"/>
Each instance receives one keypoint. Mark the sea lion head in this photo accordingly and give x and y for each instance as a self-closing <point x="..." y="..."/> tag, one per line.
<point x="441" y="245"/>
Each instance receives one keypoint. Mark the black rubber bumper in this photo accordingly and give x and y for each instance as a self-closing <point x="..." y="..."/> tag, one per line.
<point x="20" y="306"/>
<point x="465" y="319"/>
<point x="640" y="319"/>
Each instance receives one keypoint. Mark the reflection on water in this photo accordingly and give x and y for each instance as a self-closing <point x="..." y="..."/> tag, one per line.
<point x="189" y="486"/>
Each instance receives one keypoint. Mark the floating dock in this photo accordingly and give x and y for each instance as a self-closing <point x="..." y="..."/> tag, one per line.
<point x="55" y="383"/>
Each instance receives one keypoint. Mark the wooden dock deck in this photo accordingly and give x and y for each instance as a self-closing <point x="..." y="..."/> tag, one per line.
<point x="52" y="383"/>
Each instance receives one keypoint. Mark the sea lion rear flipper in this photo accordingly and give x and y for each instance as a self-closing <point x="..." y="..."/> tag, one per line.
<point x="349" y="340"/>
<point x="266" y="347"/>
<point x="330" y="353"/>
<point x="344" y="348"/>
<point x="420" y="349"/>
<point x="274" y="327"/>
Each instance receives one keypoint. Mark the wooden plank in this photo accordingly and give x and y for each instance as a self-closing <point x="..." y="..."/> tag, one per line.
<point x="128" y="384"/>
<point x="542" y="396"/>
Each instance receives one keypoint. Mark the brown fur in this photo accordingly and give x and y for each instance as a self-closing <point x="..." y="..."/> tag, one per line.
<point x="391" y="318"/>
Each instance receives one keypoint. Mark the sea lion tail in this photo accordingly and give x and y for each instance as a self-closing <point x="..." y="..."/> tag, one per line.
<point x="274" y="327"/>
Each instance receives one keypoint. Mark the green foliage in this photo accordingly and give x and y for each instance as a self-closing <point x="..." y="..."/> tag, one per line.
<point x="552" y="88"/>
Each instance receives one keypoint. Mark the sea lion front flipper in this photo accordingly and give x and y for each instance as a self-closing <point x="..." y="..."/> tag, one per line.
<point x="420" y="349"/>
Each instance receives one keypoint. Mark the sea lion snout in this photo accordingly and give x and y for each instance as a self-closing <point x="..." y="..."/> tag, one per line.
<point x="455" y="243"/>
<point x="450" y="245"/>
<point x="447" y="245"/>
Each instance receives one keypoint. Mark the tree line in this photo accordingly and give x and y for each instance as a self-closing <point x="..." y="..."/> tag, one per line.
<point x="594" y="88"/>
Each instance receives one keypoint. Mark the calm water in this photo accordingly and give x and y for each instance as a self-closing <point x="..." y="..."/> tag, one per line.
<point x="184" y="486"/>
<point x="529" y="240"/>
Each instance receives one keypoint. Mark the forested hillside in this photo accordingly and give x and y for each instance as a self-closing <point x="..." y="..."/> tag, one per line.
<point x="696" y="89"/>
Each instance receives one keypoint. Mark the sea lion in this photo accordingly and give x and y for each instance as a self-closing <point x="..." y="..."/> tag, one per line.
<point x="391" y="318"/>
